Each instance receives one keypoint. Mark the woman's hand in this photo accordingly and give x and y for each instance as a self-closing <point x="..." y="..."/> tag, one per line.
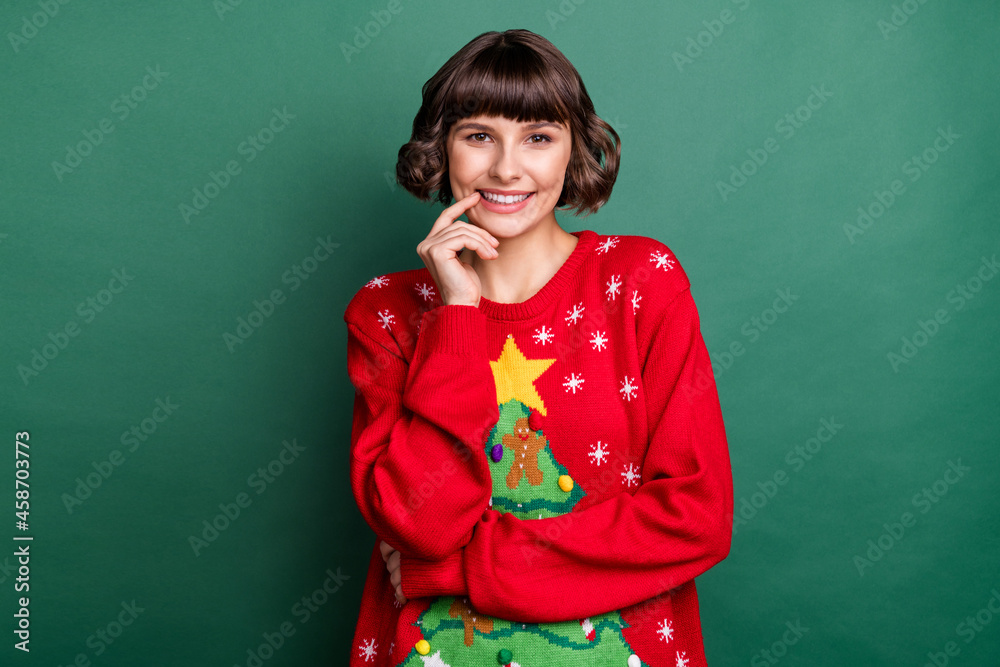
<point x="391" y="558"/>
<point x="458" y="281"/>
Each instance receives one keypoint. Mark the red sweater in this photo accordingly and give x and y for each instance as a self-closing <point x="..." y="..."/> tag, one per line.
<point x="591" y="404"/>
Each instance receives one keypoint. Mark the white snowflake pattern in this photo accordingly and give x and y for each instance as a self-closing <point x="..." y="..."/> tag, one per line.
<point x="573" y="382"/>
<point x="613" y="286"/>
<point x="666" y="630"/>
<point x="426" y="291"/>
<point x="543" y="335"/>
<point x="576" y="313"/>
<point x="386" y="318"/>
<point x="368" y="649"/>
<point x="378" y="281"/>
<point x="682" y="661"/>
<point x="631" y="475"/>
<point x="599" y="452"/>
<point x="662" y="260"/>
<point x="434" y="660"/>
<point x="628" y="390"/>
<point x="392" y="645"/>
<point x="635" y="301"/>
<point x="599" y="341"/>
<point x="607" y="244"/>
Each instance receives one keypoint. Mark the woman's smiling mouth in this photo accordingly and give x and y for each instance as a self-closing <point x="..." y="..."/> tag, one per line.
<point x="499" y="201"/>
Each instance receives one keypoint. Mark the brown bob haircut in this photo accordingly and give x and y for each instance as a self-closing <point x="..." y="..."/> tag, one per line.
<point x="521" y="76"/>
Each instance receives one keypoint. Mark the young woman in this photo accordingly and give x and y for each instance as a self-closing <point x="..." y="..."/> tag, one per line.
<point x="537" y="438"/>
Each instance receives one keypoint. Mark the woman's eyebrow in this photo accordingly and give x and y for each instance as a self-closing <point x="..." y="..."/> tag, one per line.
<point x="487" y="128"/>
<point x="535" y="126"/>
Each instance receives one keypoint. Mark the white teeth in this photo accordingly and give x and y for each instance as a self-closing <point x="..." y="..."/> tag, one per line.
<point x="501" y="199"/>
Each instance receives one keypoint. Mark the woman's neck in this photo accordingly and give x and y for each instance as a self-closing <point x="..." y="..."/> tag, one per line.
<point x="524" y="264"/>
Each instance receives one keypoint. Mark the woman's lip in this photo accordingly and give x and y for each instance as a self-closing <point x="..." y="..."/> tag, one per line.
<point x="514" y="207"/>
<point x="513" y="193"/>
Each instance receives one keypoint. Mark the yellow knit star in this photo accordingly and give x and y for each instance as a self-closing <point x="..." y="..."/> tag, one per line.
<point x="514" y="375"/>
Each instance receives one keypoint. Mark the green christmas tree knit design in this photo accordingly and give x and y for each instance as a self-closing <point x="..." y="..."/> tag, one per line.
<point x="460" y="637"/>
<point x="529" y="499"/>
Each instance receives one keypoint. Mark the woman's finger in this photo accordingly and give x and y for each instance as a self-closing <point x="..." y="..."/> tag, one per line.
<point x="451" y="242"/>
<point x="450" y="214"/>
<point x="460" y="227"/>
<point x="395" y="575"/>
<point x="457" y="281"/>
<point x="458" y="231"/>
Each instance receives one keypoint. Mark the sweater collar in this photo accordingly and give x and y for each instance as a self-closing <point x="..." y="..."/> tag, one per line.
<point x="557" y="284"/>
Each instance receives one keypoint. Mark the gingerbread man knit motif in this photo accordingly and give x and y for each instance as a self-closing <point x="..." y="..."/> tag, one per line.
<point x="554" y="473"/>
<point x="525" y="444"/>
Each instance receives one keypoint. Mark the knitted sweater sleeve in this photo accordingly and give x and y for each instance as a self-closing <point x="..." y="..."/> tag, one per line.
<point x="416" y="427"/>
<point x="628" y="548"/>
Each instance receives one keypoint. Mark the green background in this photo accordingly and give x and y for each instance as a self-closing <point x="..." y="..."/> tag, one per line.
<point x="685" y="126"/>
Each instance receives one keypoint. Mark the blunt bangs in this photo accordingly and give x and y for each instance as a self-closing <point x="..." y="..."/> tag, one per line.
<point x="512" y="82"/>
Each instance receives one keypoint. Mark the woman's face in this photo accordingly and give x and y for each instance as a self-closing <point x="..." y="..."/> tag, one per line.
<point x="493" y="154"/>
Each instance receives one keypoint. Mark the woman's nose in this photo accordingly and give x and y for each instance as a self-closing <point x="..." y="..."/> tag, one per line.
<point x="507" y="165"/>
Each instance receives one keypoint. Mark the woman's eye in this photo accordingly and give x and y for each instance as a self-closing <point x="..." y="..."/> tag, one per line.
<point x="481" y="137"/>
